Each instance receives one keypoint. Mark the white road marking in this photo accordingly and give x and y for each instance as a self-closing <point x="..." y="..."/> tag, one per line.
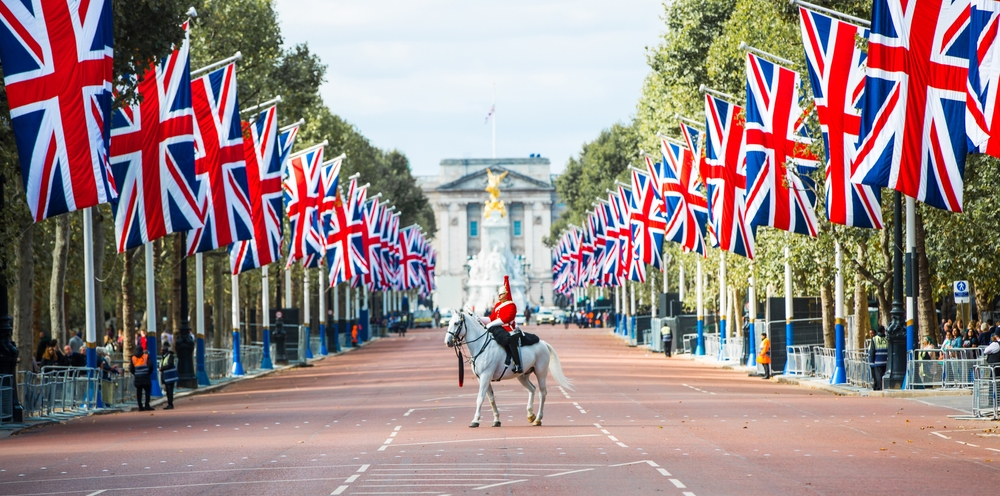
<point x="393" y="434"/>
<point x="95" y="493"/>
<point x="650" y="462"/>
<point x="664" y="472"/>
<point x="940" y="435"/>
<point x="615" y="439"/>
<point x="388" y="441"/>
<point x="623" y="445"/>
<point x="495" y="439"/>
<point x="383" y="447"/>
<point x="678" y="483"/>
<point x="363" y="468"/>
<point x="570" y="472"/>
<point x="408" y="412"/>
<point x="688" y="493"/>
<point x="339" y="490"/>
<point x="398" y="427"/>
<point x="605" y="431"/>
<point x="352" y="478"/>
<point x="499" y="484"/>
<point x="993" y="449"/>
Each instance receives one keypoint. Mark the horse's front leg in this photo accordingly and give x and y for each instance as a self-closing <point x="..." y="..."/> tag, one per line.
<point x="523" y="379"/>
<point x="484" y="386"/>
<point x="493" y="404"/>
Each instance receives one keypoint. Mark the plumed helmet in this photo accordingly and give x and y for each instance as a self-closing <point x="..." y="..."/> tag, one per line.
<point x="505" y="290"/>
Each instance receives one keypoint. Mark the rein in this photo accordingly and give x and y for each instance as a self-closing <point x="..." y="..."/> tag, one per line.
<point x="459" y="341"/>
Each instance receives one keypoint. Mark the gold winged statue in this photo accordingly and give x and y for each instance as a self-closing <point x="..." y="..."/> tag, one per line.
<point x="493" y="188"/>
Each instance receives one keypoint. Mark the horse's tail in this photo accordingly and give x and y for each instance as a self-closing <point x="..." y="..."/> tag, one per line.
<point x="556" y="368"/>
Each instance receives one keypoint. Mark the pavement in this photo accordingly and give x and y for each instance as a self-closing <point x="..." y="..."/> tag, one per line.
<point x="390" y="418"/>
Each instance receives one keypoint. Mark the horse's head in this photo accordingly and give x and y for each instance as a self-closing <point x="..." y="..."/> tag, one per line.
<point x="456" y="329"/>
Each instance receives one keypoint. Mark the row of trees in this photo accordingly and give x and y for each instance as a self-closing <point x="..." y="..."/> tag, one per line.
<point x="33" y="254"/>
<point x="700" y="45"/>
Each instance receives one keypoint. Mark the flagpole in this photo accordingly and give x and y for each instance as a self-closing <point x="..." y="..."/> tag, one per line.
<point x="151" y="321"/>
<point x="680" y="278"/>
<point x="336" y="318"/>
<point x="237" y="359"/>
<point x="700" y="295"/>
<point x="347" y="314"/>
<point x="752" y="319"/>
<point x="199" y="312"/>
<point x="288" y="287"/>
<point x="839" y="374"/>
<point x="322" y="314"/>
<point x="632" y="313"/>
<point x="722" y="302"/>
<point x="93" y="393"/>
<point x="306" y="321"/>
<point x="911" y="280"/>
<point x="789" y="305"/>
<point x="265" y="359"/>
<point x="363" y="315"/>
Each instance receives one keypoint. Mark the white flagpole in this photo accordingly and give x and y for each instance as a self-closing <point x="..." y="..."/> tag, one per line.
<point x="336" y="318"/>
<point x="911" y="267"/>
<point x="305" y="311"/>
<point x="723" y="332"/>
<point x="288" y="287"/>
<point x="681" y="282"/>
<point x="839" y="375"/>
<point x="265" y="359"/>
<point x="199" y="313"/>
<point x="789" y="306"/>
<point x="237" y="359"/>
<point x="752" y="318"/>
<point x="321" y="325"/>
<point x="151" y="321"/>
<point x="88" y="290"/>
<point x="700" y="294"/>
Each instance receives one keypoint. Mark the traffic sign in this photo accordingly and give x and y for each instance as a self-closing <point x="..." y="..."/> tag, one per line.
<point x="277" y="314"/>
<point x="961" y="291"/>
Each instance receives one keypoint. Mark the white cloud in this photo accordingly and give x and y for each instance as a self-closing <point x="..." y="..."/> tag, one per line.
<point x="419" y="75"/>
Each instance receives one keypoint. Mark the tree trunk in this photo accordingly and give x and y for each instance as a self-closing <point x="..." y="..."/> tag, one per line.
<point x="219" y="310"/>
<point x="98" y="226"/>
<point x="885" y="288"/>
<point x="827" y="300"/>
<point x="24" y="333"/>
<point x="926" y="315"/>
<point x="128" y="303"/>
<point x="861" y="317"/>
<point x="57" y="289"/>
<point x="736" y="303"/>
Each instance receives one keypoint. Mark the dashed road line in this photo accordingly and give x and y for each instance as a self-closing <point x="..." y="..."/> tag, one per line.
<point x="389" y="440"/>
<point x="612" y="438"/>
<point x="563" y="392"/>
<point x="408" y="412"/>
<point x="698" y="389"/>
<point x="578" y="407"/>
<point x="678" y="483"/>
<point x="499" y="484"/>
<point x="940" y="435"/>
<point x="347" y="482"/>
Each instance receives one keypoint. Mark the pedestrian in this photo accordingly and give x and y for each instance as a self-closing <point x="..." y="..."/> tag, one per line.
<point x="992" y="354"/>
<point x="141" y="340"/>
<point x="985" y="333"/>
<point x="167" y="338"/>
<point x="141" y="379"/>
<point x="970" y="340"/>
<point x="168" y="374"/>
<point x="668" y="340"/>
<point x="77" y="357"/>
<point x="76" y="342"/>
<point x="764" y="358"/>
<point x="107" y="371"/>
<point x="878" y="355"/>
<point x="925" y="356"/>
<point x="354" y="335"/>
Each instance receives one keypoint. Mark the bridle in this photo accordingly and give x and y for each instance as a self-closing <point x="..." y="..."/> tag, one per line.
<point x="459" y="339"/>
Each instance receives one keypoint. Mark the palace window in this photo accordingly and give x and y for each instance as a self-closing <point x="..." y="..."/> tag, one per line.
<point x="517" y="228"/>
<point x="473" y="228"/>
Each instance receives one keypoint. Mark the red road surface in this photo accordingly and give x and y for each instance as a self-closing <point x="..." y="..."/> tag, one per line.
<point x="390" y="419"/>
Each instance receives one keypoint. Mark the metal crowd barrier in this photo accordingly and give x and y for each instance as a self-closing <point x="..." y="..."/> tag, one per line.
<point x="314" y="345"/>
<point x="984" y="391"/>
<point x="824" y="361"/>
<point x="711" y="345"/>
<point x="64" y="391"/>
<point x="218" y="363"/>
<point x="732" y="350"/>
<point x="798" y="360"/>
<point x="857" y="368"/>
<point x="942" y="368"/>
<point x="690" y="341"/>
<point x="250" y="356"/>
<point x="6" y="398"/>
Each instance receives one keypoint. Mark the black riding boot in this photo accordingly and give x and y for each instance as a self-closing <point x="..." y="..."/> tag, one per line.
<point x="515" y="353"/>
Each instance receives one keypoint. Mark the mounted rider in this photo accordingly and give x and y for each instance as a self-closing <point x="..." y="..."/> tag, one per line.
<point x="503" y="326"/>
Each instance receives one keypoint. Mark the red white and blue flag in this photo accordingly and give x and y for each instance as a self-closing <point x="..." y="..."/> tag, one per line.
<point x="371" y="240"/>
<point x="260" y="149"/>
<point x="410" y="263"/>
<point x="387" y="250"/>
<point x="357" y="254"/>
<point x="913" y="113"/>
<point x="152" y="156"/>
<point x="223" y="196"/>
<point x="286" y="140"/>
<point x="686" y="207"/>
<point x="780" y="192"/>
<point x="597" y="266"/>
<point x="623" y="212"/>
<point x="837" y="76"/>
<point x="301" y="186"/>
<point x="612" y="248"/>
<point x="649" y="221"/>
<point x="725" y="178"/>
<point x="57" y="65"/>
<point x="983" y="113"/>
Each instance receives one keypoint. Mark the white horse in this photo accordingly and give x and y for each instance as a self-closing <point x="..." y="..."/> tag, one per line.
<point x="488" y="359"/>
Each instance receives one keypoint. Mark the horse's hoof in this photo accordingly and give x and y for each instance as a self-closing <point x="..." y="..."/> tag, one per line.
<point x="537" y="422"/>
<point x="496" y="423"/>
<point x="474" y="424"/>
<point x="531" y="418"/>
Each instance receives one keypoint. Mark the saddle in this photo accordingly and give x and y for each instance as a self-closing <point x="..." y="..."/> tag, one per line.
<point x="503" y="338"/>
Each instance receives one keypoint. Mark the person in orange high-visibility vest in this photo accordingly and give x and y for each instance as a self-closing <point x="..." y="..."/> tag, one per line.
<point x="765" y="355"/>
<point x="354" y="335"/>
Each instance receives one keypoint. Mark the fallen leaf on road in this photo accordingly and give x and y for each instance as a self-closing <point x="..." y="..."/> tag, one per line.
<point x="883" y="449"/>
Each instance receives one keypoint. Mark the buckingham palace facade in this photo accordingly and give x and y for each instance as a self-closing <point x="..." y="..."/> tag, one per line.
<point x="457" y="196"/>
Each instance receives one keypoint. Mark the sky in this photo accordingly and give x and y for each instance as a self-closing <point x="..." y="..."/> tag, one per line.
<point x="419" y="75"/>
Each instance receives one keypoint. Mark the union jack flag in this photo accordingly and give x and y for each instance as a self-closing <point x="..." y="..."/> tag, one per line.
<point x="596" y="267"/>
<point x="371" y="240"/>
<point x="623" y="203"/>
<point x="260" y="149"/>
<point x="686" y="207"/>
<point x="780" y="192"/>
<point x="837" y="74"/>
<point x="333" y="220"/>
<point x="286" y="140"/>
<point x="357" y="254"/>
<point x="725" y="176"/>
<point x="612" y="249"/>
<point x="57" y="65"/>
<point x="387" y="250"/>
<point x="224" y="196"/>
<point x="152" y="156"/>
<point x="984" y="76"/>
<point x="410" y="263"/>
<point x="301" y="186"/>
<point x="649" y="222"/>
<point x="913" y="127"/>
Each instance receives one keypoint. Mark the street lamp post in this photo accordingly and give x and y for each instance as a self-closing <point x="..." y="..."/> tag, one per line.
<point x="8" y="350"/>
<point x="185" y="343"/>
<point x="896" y="332"/>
